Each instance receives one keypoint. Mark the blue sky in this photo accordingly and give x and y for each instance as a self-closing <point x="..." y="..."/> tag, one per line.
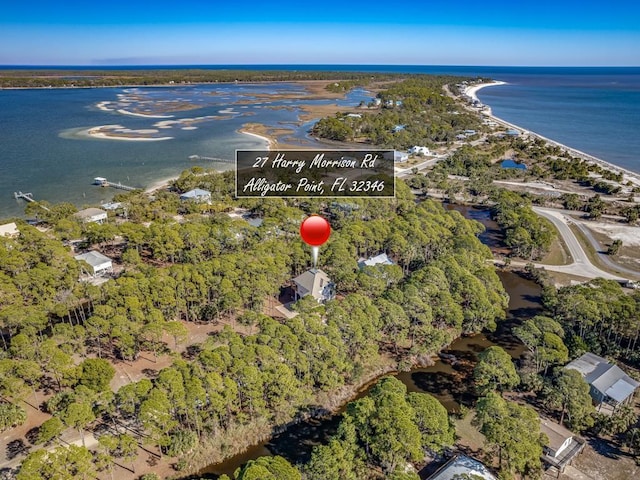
<point x="328" y="31"/>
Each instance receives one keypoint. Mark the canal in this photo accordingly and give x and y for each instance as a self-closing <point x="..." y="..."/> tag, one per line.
<point x="447" y="379"/>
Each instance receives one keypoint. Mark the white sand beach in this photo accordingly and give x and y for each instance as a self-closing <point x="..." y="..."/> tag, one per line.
<point x="270" y="143"/>
<point x="628" y="175"/>
<point x="473" y="89"/>
<point x="160" y="184"/>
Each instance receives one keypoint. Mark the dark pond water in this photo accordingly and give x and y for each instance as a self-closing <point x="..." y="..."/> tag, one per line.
<point x="447" y="379"/>
<point x="513" y="164"/>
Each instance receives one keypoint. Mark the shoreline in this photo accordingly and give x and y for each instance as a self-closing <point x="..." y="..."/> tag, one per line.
<point x="628" y="175"/>
<point x="268" y="140"/>
<point x="161" y="184"/>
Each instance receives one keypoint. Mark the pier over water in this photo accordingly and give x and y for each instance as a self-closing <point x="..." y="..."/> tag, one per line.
<point x="103" y="182"/>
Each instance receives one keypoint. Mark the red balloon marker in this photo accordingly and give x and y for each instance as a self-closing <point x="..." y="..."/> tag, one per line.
<point x="314" y="231"/>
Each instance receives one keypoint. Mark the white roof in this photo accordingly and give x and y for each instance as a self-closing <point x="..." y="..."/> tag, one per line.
<point x="606" y="378"/>
<point x="90" y="213"/>
<point x="196" y="193"/>
<point x="95" y="259"/>
<point x="621" y="389"/>
<point x="111" y="205"/>
<point x="462" y="465"/>
<point x="9" y="229"/>
<point x="381" y="259"/>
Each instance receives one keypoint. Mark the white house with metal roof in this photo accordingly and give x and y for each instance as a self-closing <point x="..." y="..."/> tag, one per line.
<point x="381" y="259"/>
<point x="609" y="384"/>
<point x="197" y="194"/>
<point x="316" y="283"/>
<point x="99" y="264"/>
<point x="462" y="466"/>
<point x="419" y="150"/>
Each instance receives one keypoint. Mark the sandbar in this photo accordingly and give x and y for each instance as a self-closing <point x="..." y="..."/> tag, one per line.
<point x="118" y="132"/>
<point x="145" y="115"/>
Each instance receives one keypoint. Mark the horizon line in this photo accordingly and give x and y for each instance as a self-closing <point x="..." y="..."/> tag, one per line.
<point x="168" y="65"/>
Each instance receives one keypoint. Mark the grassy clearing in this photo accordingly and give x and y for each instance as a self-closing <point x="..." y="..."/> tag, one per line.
<point x="591" y="253"/>
<point x="558" y="253"/>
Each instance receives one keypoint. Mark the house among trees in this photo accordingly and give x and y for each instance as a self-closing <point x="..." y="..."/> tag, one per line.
<point x="99" y="264"/>
<point x="91" y="215"/>
<point x="197" y="194"/>
<point x="9" y="230"/>
<point x="400" y="157"/>
<point x="418" y="150"/>
<point x="563" y="445"/>
<point x="609" y="385"/>
<point x="462" y="466"/>
<point x="381" y="259"/>
<point x="316" y="283"/>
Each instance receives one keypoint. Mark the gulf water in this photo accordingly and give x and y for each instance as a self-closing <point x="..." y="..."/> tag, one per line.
<point x="596" y="110"/>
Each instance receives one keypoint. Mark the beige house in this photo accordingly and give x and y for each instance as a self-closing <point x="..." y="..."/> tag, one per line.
<point x="316" y="283"/>
<point x="9" y="230"/>
<point x="91" y="215"/>
<point x="563" y="445"/>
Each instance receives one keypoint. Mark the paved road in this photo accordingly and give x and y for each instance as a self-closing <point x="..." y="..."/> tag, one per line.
<point x="604" y="258"/>
<point x="403" y="172"/>
<point x="581" y="265"/>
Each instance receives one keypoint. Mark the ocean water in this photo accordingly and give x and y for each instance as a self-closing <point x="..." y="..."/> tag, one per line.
<point x="596" y="110"/>
<point x="42" y="149"/>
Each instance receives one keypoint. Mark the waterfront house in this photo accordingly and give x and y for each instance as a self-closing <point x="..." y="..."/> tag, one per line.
<point x="461" y="466"/>
<point x="563" y="446"/>
<point x="9" y="230"/>
<point x="609" y="385"/>
<point x="91" y="215"/>
<point x="512" y="132"/>
<point x="112" y="205"/>
<point x="99" y="264"/>
<point x="316" y="283"/>
<point x="381" y="259"/>
<point x="197" y="194"/>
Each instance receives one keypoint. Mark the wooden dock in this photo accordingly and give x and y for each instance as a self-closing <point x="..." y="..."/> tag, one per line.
<point x="196" y="158"/>
<point x="24" y="196"/>
<point x="103" y="182"/>
<point x="28" y="197"/>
